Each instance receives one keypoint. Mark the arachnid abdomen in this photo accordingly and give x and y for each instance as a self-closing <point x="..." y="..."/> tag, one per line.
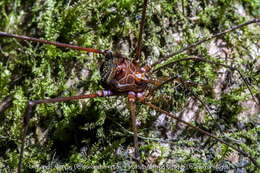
<point x="121" y="75"/>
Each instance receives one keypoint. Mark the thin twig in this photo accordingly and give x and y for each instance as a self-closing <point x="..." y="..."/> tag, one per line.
<point x="5" y="104"/>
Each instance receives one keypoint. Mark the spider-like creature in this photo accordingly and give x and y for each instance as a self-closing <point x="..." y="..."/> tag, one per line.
<point x="187" y="82"/>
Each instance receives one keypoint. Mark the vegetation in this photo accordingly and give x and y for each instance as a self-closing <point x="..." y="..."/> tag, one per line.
<point x="97" y="132"/>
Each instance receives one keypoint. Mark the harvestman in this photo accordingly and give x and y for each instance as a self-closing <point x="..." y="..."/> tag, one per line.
<point x="122" y="76"/>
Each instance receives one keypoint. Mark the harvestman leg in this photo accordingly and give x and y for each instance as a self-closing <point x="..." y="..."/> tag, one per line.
<point x="139" y="43"/>
<point x="58" y="44"/>
<point x="202" y="131"/>
<point x="185" y="83"/>
<point x="194" y="58"/>
<point x="32" y="104"/>
<point x="160" y="83"/>
<point x="164" y="58"/>
<point x="131" y="100"/>
<point x="198" y="129"/>
<point x="131" y="95"/>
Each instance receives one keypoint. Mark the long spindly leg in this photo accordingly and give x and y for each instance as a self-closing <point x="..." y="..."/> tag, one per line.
<point x="185" y="83"/>
<point x="139" y="43"/>
<point x="132" y="100"/>
<point x="159" y="83"/>
<point x="164" y="58"/>
<point x="195" y="58"/>
<point x="202" y="131"/>
<point x="22" y="37"/>
<point x="32" y="104"/>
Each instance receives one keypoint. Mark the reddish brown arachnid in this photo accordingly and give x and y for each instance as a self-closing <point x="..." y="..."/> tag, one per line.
<point x="121" y="76"/>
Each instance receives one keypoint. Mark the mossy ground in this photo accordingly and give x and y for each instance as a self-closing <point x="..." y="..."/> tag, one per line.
<point x="96" y="132"/>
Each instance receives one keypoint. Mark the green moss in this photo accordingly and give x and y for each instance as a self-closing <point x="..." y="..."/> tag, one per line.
<point x="30" y="71"/>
